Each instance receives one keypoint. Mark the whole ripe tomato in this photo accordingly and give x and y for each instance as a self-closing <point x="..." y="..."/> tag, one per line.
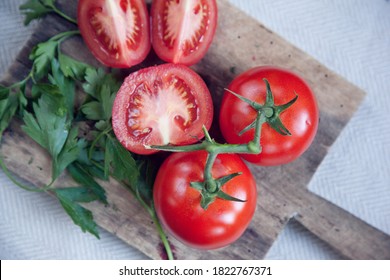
<point x="178" y="205"/>
<point x="301" y="119"/>
<point x="115" y="31"/>
<point x="161" y="105"/>
<point x="182" y="31"/>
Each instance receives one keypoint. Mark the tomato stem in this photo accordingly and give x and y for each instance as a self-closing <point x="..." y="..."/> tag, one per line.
<point x="210" y="183"/>
<point x="212" y="147"/>
<point x="269" y="113"/>
<point x="210" y="188"/>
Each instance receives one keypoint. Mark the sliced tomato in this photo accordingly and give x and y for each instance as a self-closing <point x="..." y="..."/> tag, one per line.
<point x="182" y="30"/>
<point x="116" y="31"/>
<point x="161" y="105"/>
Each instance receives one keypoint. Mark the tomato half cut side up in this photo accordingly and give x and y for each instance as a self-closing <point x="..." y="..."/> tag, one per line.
<point x="116" y="31"/>
<point x="182" y="30"/>
<point x="161" y="105"/>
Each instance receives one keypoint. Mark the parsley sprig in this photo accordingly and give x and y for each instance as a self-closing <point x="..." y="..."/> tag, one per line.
<point x="35" y="9"/>
<point x="55" y="119"/>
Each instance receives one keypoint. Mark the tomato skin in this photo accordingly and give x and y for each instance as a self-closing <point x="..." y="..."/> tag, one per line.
<point x="178" y="205"/>
<point x="301" y="119"/>
<point x="161" y="105"/>
<point x="175" y="18"/>
<point x="109" y="33"/>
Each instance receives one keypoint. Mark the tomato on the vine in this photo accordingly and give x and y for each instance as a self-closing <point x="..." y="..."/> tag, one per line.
<point x="116" y="31"/>
<point x="161" y="105"/>
<point x="300" y="119"/>
<point x="182" y="30"/>
<point x="178" y="205"/>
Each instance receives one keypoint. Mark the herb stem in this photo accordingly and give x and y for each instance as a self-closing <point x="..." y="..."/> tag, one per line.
<point x="94" y="142"/>
<point x="163" y="236"/>
<point x="63" y="35"/>
<point x="60" y="13"/>
<point x="19" y="184"/>
<point x="22" y="82"/>
<point x="156" y="221"/>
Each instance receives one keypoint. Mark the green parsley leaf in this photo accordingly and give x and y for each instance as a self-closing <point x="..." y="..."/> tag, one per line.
<point x="69" y="153"/>
<point x="44" y="88"/>
<point x="72" y="68"/>
<point x="65" y="85"/>
<point x="95" y="79"/>
<point x="93" y="110"/>
<point x="35" y="9"/>
<point x="92" y="165"/>
<point x="42" y="55"/>
<point x="49" y="127"/>
<point x="102" y="88"/>
<point x="78" y="194"/>
<point x="9" y="103"/>
<point x="69" y="198"/>
<point x="124" y="167"/>
<point x="103" y="125"/>
<point x="22" y="99"/>
<point x="82" y="176"/>
<point x="144" y="186"/>
<point x="4" y="92"/>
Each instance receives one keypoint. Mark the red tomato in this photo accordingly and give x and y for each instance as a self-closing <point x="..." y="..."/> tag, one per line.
<point x="301" y="119"/>
<point x="161" y="105"/>
<point x="178" y="207"/>
<point x="116" y="31"/>
<point x="182" y="30"/>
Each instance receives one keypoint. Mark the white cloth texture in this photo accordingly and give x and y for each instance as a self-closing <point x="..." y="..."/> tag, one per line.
<point x="350" y="37"/>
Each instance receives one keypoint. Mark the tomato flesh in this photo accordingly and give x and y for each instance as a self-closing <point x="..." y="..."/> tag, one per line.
<point x="178" y="207"/>
<point x="182" y="30"/>
<point x="161" y="105"/>
<point x="301" y="119"/>
<point x="116" y="31"/>
<point x="167" y="107"/>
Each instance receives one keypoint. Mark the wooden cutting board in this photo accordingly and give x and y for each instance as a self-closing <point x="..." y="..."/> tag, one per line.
<point x="240" y="43"/>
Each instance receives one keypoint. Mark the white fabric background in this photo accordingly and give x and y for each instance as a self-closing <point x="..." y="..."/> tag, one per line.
<point x="351" y="37"/>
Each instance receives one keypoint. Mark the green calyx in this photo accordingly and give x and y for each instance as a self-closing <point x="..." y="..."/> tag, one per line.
<point x="269" y="110"/>
<point x="211" y="189"/>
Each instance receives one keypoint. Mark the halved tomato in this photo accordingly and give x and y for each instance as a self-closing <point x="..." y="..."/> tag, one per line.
<point x="182" y="30"/>
<point x="161" y="105"/>
<point x="116" y="31"/>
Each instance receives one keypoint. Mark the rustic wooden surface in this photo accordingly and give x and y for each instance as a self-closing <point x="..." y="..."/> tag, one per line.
<point x="240" y="43"/>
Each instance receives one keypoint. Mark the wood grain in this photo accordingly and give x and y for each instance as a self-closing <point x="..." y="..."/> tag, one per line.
<point x="240" y="43"/>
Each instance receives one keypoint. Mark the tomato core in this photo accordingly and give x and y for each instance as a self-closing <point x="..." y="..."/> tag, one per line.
<point x="118" y="29"/>
<point x="165" y="106"/>
<point x="192" y="16"/>
<point x="182" y="30"/>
